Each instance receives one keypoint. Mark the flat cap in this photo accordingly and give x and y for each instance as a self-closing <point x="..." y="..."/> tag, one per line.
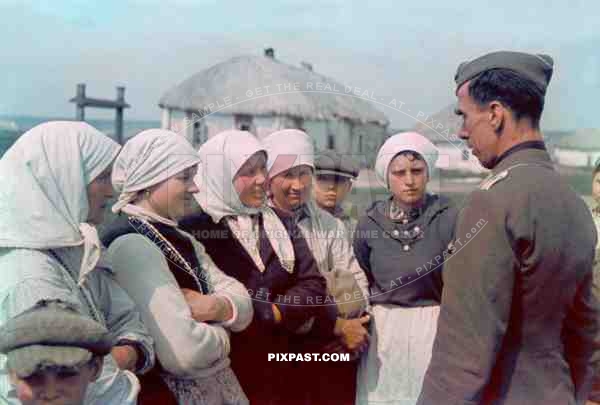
<point x="51" y="333"/>
<point x="537" y="68"/>
<point x="334" y="163"/>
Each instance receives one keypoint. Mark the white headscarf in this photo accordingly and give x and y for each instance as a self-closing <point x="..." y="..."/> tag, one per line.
<point x="288" y="148"/>
<point x="147" y="159"/>
<point x="43" y="194"/>
<point x="404" y="141"/>
<point x="222" y="156"/>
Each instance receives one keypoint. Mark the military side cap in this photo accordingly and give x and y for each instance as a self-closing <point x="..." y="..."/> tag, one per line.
<point x="537" y="68"/>
<point x="331" y="162"/>
<point x="51" y="334"/>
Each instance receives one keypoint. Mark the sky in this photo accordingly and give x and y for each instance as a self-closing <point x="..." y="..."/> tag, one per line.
<point x="395" y="49"/>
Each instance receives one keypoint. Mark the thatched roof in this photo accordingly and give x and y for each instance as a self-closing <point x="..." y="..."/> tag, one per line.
<point x="582" y="139"/>
<point x="236" y="77"/>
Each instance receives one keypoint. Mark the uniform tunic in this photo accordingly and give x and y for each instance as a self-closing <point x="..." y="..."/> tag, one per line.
<point x="518" y="321"/>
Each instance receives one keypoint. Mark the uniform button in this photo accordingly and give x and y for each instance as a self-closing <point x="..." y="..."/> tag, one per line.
<point x="406" y="248"/>
<point x="395" y="233"/>
<point x="406" y="233"/>
<point x="417" y="229"/>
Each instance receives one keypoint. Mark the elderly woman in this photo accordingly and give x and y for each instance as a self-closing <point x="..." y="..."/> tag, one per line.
<point x="400" y="243"/>
<point x="55" y="184"/>
<point x="186" y="302"/>
<point x="249" y="242"/>
<point x="291" y="168"/>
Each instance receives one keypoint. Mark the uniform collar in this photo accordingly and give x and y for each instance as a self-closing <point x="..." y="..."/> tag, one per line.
<point x="539" y="145"/>
<point x="532" y="156"/>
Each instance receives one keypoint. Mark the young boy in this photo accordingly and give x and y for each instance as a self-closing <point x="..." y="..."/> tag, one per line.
<point x="53" y="353"/>
<point x="334" y="174"/>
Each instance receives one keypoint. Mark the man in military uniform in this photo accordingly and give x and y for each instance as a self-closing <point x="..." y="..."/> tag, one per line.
<point x="518" y="321"/>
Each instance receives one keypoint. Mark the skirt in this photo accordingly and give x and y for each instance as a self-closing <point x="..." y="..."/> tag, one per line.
<point x="222" y="388"/>
<point x="399" y="353"/>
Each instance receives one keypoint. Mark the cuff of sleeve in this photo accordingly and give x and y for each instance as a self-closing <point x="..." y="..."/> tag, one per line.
<point x="145" y="355"/>
<point x="230" y="322"/>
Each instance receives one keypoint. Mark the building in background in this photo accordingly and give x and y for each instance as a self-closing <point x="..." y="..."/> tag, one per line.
<point x="442" y="129"/>
<point x="581" y="149"/>
<point x="262" y="95"/>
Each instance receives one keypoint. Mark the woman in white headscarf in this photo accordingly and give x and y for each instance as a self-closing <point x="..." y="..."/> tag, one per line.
<point x="249" y="242"/>
<point x="186" y="302"/>
<point x="55" y="185"/>
<point x="401" y="243"/>
<point x="291" y="167"/>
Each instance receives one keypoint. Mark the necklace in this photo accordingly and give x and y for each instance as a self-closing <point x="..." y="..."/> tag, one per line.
<point x="166" y="247"/>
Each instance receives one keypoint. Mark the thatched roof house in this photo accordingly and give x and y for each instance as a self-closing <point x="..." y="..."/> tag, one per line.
<point x="262" y="94"/>
<point x="442" y="129"/>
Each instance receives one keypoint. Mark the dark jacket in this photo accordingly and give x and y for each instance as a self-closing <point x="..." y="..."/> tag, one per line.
<point x="264" y="381"/>
<point x="518" y="322"/>
<point x="405" y="270"/>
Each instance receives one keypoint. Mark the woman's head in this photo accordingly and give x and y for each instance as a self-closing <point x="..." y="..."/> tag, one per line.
<point x="249" y="181"/>
<point x="291" y="165"/>
<point x="54" y="179"/>
<point x="408" y="177"/>
<point x="171" y="198"/>
<point x="155" y="170"/>
<point x="231" y="177"/>
<point x="404" y="165"/>
<point x="99" y="192"/>
<point x="292" y="188"/>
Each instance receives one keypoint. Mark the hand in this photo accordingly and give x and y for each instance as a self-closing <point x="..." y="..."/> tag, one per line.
<point x="592" y="403"/>
<point x="352" y="332"/>
<point x="207" y="307"/>
<point x="125" y="356"/>
<point x="276" y="314"/>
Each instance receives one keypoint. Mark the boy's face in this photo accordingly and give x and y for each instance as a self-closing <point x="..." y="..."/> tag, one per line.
<point x="57" y="386"/>
<point x="331" y="190"/>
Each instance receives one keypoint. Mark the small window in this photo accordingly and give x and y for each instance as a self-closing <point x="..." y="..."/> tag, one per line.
<point x="330" y="141"/>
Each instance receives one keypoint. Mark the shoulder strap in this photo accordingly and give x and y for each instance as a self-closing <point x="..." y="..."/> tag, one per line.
<point x="493" y="179"/>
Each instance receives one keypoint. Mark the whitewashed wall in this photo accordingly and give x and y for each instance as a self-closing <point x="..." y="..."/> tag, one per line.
<point x="362" y="141"/>
<point x="575" y="158"/>
<point x="451" y="158"/>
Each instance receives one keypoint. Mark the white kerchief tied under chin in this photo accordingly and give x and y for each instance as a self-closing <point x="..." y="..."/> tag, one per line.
<point x="91" y="251"/>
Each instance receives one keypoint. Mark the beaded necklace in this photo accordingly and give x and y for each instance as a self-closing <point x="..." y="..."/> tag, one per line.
<point x="168" y="250"/>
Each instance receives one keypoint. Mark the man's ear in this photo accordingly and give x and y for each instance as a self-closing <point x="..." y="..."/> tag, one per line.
<point x="497" y="116"/>
<point x="96" y="365"/>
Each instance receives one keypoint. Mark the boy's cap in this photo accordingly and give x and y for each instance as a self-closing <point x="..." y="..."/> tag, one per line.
<point x="334" y="163"/>
<point x="51" y="334"/>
